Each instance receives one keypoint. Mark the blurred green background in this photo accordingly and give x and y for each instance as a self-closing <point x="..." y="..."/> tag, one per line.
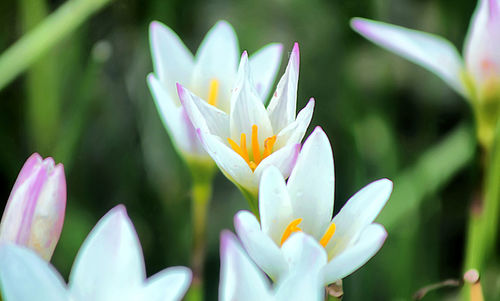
<point x="86" y="103"/>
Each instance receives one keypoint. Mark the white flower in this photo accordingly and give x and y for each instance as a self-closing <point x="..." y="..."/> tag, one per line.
<point x="241" y="279"/>
<point x="108" y="267"/>
<point x="250" y="138"/>
<point x="305" y="204"/>
<point x="210" y="74"/>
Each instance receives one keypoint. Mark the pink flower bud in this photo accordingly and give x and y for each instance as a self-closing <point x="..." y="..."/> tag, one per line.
<point x="34" y="213"/>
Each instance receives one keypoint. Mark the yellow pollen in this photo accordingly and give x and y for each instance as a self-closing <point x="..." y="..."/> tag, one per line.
<point x="328" y="235"/>
<point x="213" y="92"/>
<point x="257" y="157"/>
<point x="291" y="228"/>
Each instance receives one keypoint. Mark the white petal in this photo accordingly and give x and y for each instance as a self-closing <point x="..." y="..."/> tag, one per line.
<point x="240" y="279"/>
<point x="482" y="44"/>
<point x="217" y="59"/>
<point x="359" y="212"/>
<point x="284" y="101"/>
<point x="26" y="277"/>
<point x="175" y="120"/>
<point x="109" y="265"/>
<point x="275" y="208"/>
<point x="247" y="108"/>
<point x="259" y="246"/>
<point x="204" y="115"/>
<point x="265" y="64"/>
<point x="230" y="163"/>
<point x="168" y="285"/>
<point x="311" y="184"/>
<point x="344" y="264"/>
<point x="295" y="131"/>
<point x="284" y="159"/>
<point x="172" y="61"/>
<point x="427" y="50"/>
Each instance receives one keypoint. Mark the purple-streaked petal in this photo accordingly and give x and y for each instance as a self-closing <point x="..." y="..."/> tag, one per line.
<point x="295" y="131"/>
<point x="284" y="159"/>
<point x="351" y="259"/>
<point x="240" y="279"/>
<point x="284" y="101"/>
<point x="311" y="184"/>
<point x="265" y="252"/>
<point x="168" y="285"/>
<point x="172" y="61"/>
<point x="110" y="263"/>
<point x="24" y="276"/>
<point x="427" y="50"/>
<point x="265" y="64"/>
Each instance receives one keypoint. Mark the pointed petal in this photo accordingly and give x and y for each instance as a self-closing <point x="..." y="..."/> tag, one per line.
<point x="172" y="61"/>
<point x="26" y="277"/>
<point x="284" y="101"/>
<point x="217" y="59"/>
<point x="275" y="208"/>
<point x="259" y="246"/>
<point x="295" y="131"/>
<point x="265" y="64"/>
<point x="359" y="212"/>
<point x="482" y="44"/>
<point x="110" y="263"/>
<point x="247" y="108"/>
<point x="427" y="50"/>
<point x="203" y="115"/>
<point x="284" y="159"/>
<point x="175" y="120"/>
<point x="240" y="279"/>
<point x="168" y="285"/>
<point x="344" y="264"/>
<point x="311" y="184"/>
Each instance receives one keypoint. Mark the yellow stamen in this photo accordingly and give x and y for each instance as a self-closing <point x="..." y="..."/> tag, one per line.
<point x="328" y="235"/>
<point x="268" y="146"/>
<point x="255" y="145"/>
<point x="213" y="92"/>
<point x="242" y="151"/>
<point x="291" y="228"/>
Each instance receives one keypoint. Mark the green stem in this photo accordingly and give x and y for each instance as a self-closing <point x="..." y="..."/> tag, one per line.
<point x="41" y="39"/>
<point x="252" y="199"/>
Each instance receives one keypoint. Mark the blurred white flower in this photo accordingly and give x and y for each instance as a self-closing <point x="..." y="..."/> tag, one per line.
<point x="108" y="267"/>
<point x="305" y="204"/>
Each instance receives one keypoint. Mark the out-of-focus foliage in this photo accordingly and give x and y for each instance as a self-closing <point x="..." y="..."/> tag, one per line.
<point x="381" y="114"/>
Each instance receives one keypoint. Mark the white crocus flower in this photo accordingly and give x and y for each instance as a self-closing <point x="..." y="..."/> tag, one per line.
<point x="305" y="204"/>
<point x="108" y="267"/>
<point x="210" y="74"/>
<point x="249" y="138"/>
<point x="478" y="79"/>
<point x="242" y="280"/>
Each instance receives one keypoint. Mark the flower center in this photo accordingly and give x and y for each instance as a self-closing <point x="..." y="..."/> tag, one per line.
<point x="255" y="156"/>
<point x="293" y="227"/>
<point x="213" y="92"/>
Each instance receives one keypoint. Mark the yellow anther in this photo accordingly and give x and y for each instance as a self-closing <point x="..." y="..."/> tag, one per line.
<point x="268" y="146"/>
<point x="213" y="92"/>
<point x="291" y="228"/>
<point x="255" y="145"/>
<point x="242" y="151"/>
<point x="328" y="235"/>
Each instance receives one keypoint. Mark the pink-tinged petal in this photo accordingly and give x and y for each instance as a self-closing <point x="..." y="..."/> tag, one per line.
<point x="240" y="279"/>
<point x="24" y="276"/>
<point x="284" y="101"/>
<point x="295" y="131"/>
<point x="359" y="212"/>
<point x="217" y="59"/>
<point x="203" y="115"/>
<point x="482" y="44"/>
<point x="172" y="61"/>
<point x="265" y="64"/>
<point x="275" y="208"/>
<point x="351" y="259"/>
<point x="247" y="108"/>
<point x="311" y="184"/>
<point x="284" y="159"/>
<point x="109" y="265"/>
<point x="259" y="246"/>
<point x="168" y="285"/>
<point x="176" y="121"/>
<point x="427" y="50"/>
<point x="27" y="169"/>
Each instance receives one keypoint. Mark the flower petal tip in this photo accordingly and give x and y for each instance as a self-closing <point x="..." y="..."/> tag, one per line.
<point x="296" y="54"/>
